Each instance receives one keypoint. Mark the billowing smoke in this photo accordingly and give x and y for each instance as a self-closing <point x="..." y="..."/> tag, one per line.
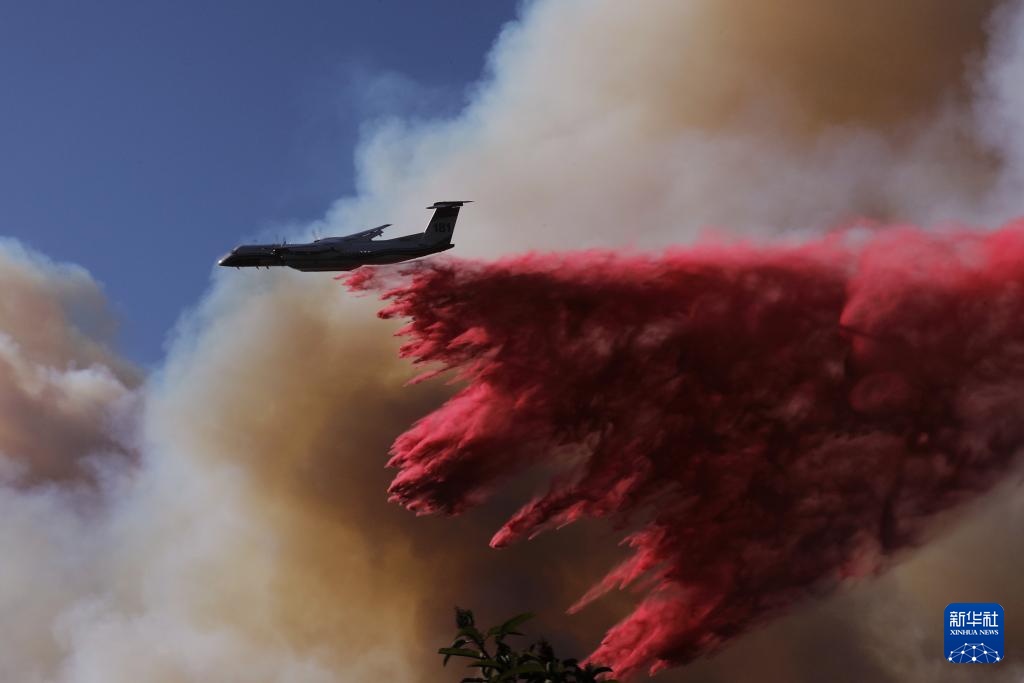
<point x="793" y="417"/>
<point x="606" y="124"/>
<point x="63" y="394"/>
<point x="252" y="539"/>
<point x="238" y="529"/>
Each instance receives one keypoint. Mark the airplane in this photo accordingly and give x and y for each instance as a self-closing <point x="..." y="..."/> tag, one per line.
<point x="351" y="251"/>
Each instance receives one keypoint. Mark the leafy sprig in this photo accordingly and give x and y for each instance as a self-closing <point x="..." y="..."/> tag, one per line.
<point x="498" y="662"/>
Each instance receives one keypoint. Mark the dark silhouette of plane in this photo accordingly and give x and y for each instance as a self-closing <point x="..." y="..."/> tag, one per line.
<point x="351" y="251"/>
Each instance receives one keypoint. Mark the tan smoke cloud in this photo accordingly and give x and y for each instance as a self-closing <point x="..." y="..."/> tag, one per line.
<point x="253" y="542"/>
<point x="61" y="390"/>
<point x="307" y="406"/>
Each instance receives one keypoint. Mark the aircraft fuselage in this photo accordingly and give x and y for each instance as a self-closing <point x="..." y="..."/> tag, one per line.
<point x="319" y="257"/>
<point x="352" y="251"/>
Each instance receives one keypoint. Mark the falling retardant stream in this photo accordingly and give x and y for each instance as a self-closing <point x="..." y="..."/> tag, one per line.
<point x="771" y="420"/>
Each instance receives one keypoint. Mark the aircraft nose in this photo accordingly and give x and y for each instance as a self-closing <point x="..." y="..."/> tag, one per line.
<point x="227" y="260"/>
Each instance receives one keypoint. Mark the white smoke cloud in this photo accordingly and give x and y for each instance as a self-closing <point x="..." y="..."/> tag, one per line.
<point x="605" y="125"/>
<point x="1000" y="104"/>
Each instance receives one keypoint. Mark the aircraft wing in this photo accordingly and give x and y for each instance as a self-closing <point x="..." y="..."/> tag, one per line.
<point x="366" y="234"/>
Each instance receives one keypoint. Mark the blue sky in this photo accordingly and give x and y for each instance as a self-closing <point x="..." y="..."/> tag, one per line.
<point x="143" y="139"/>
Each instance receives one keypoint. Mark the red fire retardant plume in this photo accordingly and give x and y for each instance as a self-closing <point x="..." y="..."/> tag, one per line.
<point x="773" y="420"/>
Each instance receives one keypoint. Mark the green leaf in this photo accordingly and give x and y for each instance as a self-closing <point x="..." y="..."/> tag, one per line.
<point x="459" y="652"/>
<point x="449" y="652"/>
<point x="494" y="664"/>
<point x="508" y="626"/>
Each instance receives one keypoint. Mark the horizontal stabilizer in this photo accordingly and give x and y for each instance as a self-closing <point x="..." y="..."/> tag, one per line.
<point x="449" y="205"/>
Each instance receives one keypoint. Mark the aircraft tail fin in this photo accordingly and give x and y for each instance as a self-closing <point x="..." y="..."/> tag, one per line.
<point x="442" y="223"/>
